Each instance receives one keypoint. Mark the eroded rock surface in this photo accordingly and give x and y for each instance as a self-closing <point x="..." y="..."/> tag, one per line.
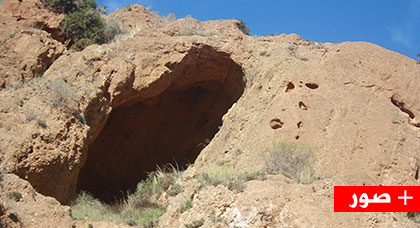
<point x="99" y="118"/>
<point x="29" y="40"/>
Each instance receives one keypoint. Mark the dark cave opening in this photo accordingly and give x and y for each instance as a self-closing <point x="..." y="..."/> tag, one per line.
<point x="171" y="128"/>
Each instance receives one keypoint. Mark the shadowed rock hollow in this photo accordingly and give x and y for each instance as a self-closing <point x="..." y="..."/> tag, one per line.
<point x="98" y="120"/>
<point x="172" y="127"/>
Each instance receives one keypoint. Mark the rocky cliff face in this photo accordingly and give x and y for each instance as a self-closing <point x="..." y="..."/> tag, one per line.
<point x="202" y="93"/>
<point x="29" y="41"/>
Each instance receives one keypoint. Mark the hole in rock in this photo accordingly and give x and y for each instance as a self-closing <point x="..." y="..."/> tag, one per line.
<point x="290" y="87"/>
<point x="395" y="99"/>
<point x="300" y="124"/>
<point x="302" y="106"/>
<point x="311" y="85"/>
<point x="171" y="127"/>
<point x="276" y="123"/>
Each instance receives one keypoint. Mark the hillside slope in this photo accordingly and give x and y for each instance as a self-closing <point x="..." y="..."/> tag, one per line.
<point x="206" y="93"/>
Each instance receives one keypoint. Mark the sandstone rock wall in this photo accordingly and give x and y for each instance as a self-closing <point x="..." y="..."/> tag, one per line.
<point x="29" y="40"/>
<point x="355" y="104"/>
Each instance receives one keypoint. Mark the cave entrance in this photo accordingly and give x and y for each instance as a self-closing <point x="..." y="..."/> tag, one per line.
<point x="170" y="128"/>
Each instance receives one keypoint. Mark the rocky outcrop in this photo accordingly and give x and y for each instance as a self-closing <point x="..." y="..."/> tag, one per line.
<point x="28" y="41"/>
<point x="22" y="206"/>
<point x="32" y="13"/>
<point x="97" y="119"/>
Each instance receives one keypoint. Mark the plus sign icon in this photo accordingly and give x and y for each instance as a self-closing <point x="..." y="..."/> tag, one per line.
<point x="376" y="198"/>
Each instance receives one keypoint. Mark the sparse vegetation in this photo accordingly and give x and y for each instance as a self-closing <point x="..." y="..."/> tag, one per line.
<point x="11" y="35"/>
<point x="185" y="206"/>
<point x="138" y="209"/>
<point x="112" y="29"/>
<point x="223" y="175"/>
<point x="190" y="27"/>
<point x="42" y="123"/>
<point x="86" y="206"/>
<point x="84" y="26"/>
<point x="175" y="189"/>
<point x="217" y="219"/>
<point x="83" y="23"/>
<point x="291" y="160"/>
<point x="243" y="27"/>
<point x="82" y="43"/>
<point x="65" y="92"/>
<point x="157" y="182"/>
<point x="168" y="19"/>
<point x="15" y="196"/>
<point x="31" y="117"/>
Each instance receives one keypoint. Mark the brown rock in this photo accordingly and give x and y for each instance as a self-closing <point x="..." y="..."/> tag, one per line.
<point x="27" y="43"/>
<point x="99" y="118"/>
<point x="32" y="13"/>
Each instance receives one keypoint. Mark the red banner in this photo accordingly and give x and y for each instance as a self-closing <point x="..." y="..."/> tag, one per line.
<point x="376" y="198"/>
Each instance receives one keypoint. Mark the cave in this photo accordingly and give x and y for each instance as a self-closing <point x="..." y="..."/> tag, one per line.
<point x="171" y="127"/>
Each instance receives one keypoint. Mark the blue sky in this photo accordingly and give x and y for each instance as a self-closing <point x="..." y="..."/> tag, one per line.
<point x="393" y="24"/>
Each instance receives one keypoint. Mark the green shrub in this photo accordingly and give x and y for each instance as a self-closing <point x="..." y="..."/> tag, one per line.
<point x="82" y="44"/>
<point x="243" y="27"/>
<point x="187" y="205"/>
<point x="15" y="196"/>
<point x="157" y="182"/>
<point x="138" y="209"/>
<point x="175" y="189"/>
<point x="222" y="175"/>
<point x="84" y="24"/>
<point x="217" y="175"/>
<point x="145" y="217"/>
<point x="61" y="5"/>
<point x="291" y="160"/>
<point x="42" y="123"/>
<point x="67" y="6"/>
<point x="259" y="175"/>
<point x="86" y="206"/>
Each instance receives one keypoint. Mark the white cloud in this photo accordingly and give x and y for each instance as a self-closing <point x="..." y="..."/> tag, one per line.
<point x="405" y="31"/>
<point x="399" y="36"/>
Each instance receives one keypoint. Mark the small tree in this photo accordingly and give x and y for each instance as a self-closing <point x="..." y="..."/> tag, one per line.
<point x="83" y="23"/>
<point x="418" y="56"/>
<point x="243" y="27"/>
